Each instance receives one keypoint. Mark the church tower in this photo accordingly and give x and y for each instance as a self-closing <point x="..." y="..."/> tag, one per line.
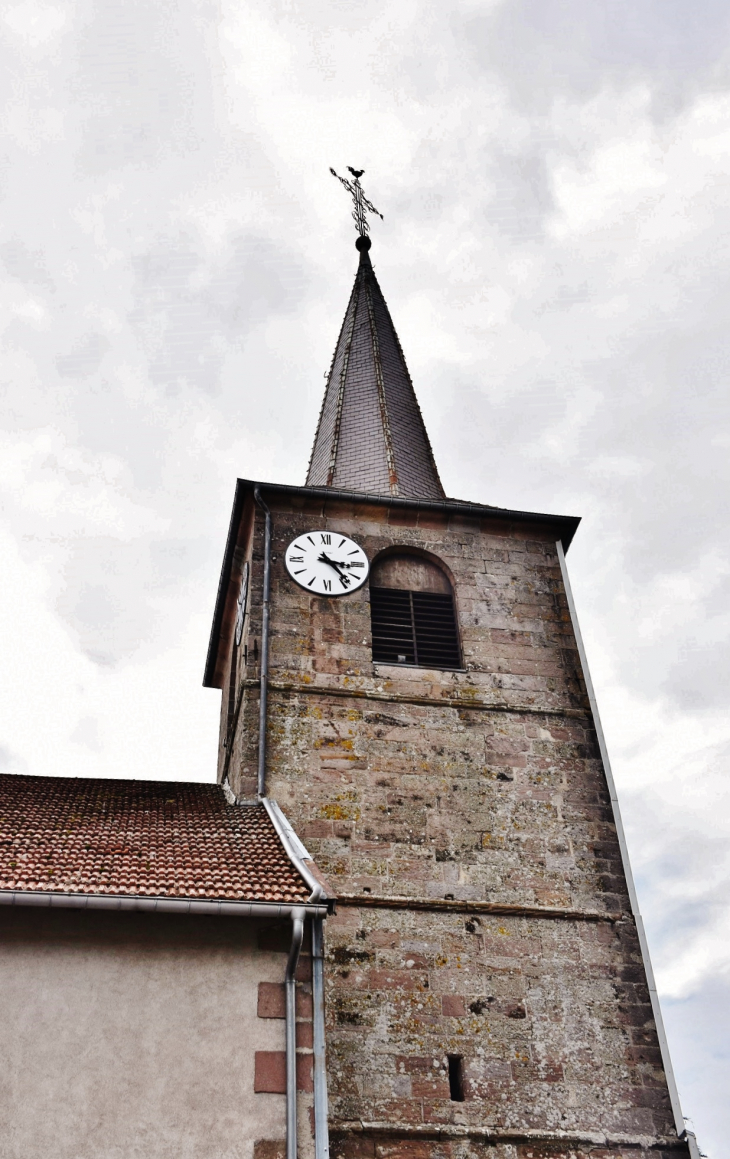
<point x="404" y="674"/>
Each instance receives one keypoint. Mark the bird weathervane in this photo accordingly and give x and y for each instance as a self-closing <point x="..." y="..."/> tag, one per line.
<point x="362" y="205"/>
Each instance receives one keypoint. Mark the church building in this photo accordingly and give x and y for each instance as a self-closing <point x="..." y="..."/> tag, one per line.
<point x="401" y="924"/>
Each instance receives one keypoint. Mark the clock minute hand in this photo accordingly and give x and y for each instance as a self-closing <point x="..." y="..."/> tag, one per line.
<point x="325" y="559"/>
<point x="339" y="563"/>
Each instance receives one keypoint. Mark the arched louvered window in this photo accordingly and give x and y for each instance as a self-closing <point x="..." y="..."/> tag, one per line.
<point x="412" y="613"/>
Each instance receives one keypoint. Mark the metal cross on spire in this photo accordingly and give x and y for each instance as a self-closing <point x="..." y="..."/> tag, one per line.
<point x="362" y="205"/>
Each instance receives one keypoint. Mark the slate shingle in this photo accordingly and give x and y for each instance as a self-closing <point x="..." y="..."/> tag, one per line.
<point x="371" y="436"/>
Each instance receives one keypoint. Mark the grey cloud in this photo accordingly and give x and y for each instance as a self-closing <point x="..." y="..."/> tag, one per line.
<point x="698" y="680"/>
<point x="522" y="197"/>
<point x="683" y="883"/>
<point x="572" y="47"/>
<point x="142" y="85"/>
<point x="190" y="307"/>
<point x="10" y="762"/>
<point x="646" y="462"/>
<point x="87" y="733"/>
<point x="121" y="597"/>
<point x="85" y="358"/>
<point x="682" y="865"/>
<point x="25" y="264"/>
<point x="698" y="1029"/>
<point x="171" y="319"/>
<point x="657" y="384"/>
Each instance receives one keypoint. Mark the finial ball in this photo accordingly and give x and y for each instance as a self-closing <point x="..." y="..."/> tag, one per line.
<point x="363" y="243"/>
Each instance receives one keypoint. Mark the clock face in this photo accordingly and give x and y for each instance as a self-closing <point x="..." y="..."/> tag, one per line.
<point x="241" y="604"/>
<point x="327" y="563"/>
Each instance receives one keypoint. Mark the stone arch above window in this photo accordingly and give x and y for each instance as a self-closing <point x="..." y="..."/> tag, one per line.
<point x="408" y="572"/>
<point x="412" y="612"/>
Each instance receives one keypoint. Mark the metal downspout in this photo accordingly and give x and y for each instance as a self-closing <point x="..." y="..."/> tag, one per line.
<point x="264" y="643"/>
<point x="682" y="1131"/>
<point x="321" y="1129"/>
<point x="291" y="1033"/>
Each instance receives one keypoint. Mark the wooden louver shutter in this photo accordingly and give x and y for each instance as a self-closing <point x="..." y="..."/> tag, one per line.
<point x="414" y="628"/>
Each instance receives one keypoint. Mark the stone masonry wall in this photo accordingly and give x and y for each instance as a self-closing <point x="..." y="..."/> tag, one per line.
<point x="463" y="820"/>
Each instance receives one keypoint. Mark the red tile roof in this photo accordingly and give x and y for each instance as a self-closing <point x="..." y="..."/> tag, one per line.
<point x="143" y="838"/>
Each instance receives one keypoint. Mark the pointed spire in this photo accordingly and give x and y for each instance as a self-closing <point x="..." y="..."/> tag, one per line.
<point x="371" y="435"/>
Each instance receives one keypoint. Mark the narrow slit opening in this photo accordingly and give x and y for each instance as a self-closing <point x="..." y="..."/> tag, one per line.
<point x="456" y="1078"/>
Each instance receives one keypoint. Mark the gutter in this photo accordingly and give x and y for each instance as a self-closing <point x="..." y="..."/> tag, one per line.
<point x="682" y="1132"/>
<point x="264" y="642"/>
<point x="452" y="506"/>
<point x="321" y="1128"/>
<point x="291" y="1032"/>
<point x="295" y="851"/>
<point x="129" y="903"/>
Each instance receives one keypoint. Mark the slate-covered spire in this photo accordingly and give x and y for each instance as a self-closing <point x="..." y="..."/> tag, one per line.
<point x="371" y="436"/>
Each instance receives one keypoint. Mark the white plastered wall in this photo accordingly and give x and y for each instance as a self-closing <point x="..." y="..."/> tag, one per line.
<point x="132" y="1036"/>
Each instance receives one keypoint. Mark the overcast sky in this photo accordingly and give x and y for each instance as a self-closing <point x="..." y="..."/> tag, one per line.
<point x="175" y="261"/>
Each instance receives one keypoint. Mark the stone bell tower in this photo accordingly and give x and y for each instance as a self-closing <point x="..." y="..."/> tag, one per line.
<point x="433" y="737"/>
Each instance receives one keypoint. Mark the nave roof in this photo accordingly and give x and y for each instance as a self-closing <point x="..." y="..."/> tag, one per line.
<point x="162" y="839"/>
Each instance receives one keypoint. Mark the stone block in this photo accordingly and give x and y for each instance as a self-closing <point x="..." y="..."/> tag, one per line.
<point x="453" y="1006"/>
<point x="269" y="1149"/>
<point x="271" y="1000"/>
<point x="305" y="1035"/>
<point x="270" y="1072"/>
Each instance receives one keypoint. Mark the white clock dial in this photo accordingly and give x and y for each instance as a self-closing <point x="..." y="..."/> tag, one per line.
<point x="327" y="563"/>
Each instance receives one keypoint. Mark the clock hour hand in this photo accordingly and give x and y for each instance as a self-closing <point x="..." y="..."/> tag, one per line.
<point x="344" y="577"/>
<point x="337" y="566"/>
